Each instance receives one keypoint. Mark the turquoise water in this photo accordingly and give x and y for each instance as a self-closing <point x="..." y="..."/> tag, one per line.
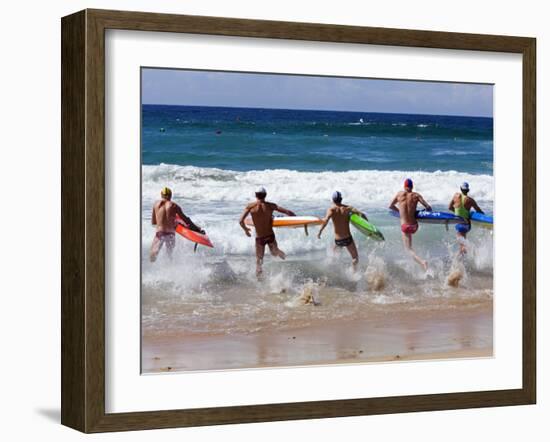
<point x="257" y="139"/>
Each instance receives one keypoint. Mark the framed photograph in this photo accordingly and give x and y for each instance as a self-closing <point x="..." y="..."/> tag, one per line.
<point x="268" y="221"/>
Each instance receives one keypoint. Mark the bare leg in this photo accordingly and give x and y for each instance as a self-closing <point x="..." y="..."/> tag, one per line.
<point x="170" y="244"/>
<point x="155" y="249"/>
<point x="407" y="242"/>
<point x="275" y="251"/>
<point x="461" y="237"/>
<point x="260" y="250"/>
<point x="352" y="249"/>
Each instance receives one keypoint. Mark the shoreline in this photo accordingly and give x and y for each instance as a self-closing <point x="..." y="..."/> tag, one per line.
<point x="403" y="335"/>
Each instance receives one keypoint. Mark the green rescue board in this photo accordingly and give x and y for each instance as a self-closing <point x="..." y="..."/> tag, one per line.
<point x="366" y="228"/>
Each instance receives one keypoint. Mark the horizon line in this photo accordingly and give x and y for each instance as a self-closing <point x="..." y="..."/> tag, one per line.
<point x="316" y="110"/>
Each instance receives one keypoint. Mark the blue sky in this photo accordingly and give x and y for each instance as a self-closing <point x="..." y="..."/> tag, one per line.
<point x="207" y="88"/>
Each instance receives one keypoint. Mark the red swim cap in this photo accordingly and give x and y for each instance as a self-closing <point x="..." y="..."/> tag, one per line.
<point x="408" y="184"/>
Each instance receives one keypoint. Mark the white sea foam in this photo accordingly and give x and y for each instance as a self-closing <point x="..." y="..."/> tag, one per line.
<point x="215" y="199"/>
<point x="443" y="152"/>
<point x="363" y="188"/>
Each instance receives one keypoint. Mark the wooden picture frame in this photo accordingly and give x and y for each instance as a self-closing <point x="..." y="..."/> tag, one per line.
<point x="83" y="220"/>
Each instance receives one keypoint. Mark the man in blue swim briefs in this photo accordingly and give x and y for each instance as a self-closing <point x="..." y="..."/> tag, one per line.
<point x="405" y="203"/>
<point x="340" y="215"/>
<point x="461" y="205"/>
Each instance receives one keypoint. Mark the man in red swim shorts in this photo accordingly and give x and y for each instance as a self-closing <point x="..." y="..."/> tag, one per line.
<point x="405" y="203"/>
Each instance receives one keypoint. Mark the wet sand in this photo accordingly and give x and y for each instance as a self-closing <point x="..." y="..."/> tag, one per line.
<point x="390" y="336"/>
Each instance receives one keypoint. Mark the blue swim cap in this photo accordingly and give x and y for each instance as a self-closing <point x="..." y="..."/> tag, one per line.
<point x="465" y="186"/>
<point x="408" y="184"/>
<point x="336" y="197"/>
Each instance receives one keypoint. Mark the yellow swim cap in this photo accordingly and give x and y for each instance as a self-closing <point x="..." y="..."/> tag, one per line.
<point x="165" y="192"/>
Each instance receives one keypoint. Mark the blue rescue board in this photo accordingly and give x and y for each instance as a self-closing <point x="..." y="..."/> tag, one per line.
<point x="425" y="216"/>
<point x="482" y="220"/>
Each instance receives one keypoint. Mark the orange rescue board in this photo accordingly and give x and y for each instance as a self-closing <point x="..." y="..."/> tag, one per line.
<point x="290" y="221"/>
<point x="191" y="235"/>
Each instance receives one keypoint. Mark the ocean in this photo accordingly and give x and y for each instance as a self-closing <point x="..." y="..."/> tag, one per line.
<point x="213" y="158"/>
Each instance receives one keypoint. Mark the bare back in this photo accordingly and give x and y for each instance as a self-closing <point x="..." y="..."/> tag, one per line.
<point x="164" y="216"/>
<point x="407" y="203"/>
<point x="340" y="218"/>
<point x="262" y="216"/>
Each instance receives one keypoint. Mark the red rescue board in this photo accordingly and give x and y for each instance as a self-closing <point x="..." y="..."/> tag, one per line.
<point x="191" y="235"/>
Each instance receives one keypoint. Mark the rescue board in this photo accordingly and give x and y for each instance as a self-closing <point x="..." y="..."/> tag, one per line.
<point x="365" y="227"/>
<point x="191" y="235"/>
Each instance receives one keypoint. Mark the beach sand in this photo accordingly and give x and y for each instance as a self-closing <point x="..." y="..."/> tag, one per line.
<point x="400" y="335"/>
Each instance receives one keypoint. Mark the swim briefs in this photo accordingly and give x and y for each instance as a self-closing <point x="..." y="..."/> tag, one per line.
<point x="409" y="228"/>
<point x="344" y="242"/>
<point x="167" y="237"/>
<point x="265" y="240"/>
<point x="463" y="228"/>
